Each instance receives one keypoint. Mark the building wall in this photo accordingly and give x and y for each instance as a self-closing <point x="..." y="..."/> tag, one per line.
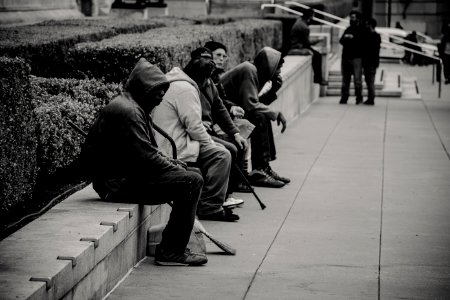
<point x="426" y="16"/>
<point x="27" y="5"/>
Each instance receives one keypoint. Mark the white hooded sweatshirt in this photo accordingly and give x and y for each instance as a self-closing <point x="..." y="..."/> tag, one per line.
<point x="180" y="115"/>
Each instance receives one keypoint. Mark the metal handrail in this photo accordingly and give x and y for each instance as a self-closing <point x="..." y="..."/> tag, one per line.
<point x="385" y="42"/>
<point x="317" y="11"/>
<point x="263" y="6"/>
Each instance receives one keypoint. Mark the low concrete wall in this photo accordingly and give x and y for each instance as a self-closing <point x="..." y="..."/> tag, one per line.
<point x="31" y="11"/>
<point x="77" y="250"/>
<point x="298" y="90"/>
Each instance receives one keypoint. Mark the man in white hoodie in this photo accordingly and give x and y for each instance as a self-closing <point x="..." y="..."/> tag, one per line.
<point x="180" y="115"/>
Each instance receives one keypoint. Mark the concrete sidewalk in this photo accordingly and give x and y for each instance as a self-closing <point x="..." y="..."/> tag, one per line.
<point x="366" y="216"/>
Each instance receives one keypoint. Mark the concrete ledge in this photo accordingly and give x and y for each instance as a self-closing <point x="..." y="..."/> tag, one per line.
<point x="78" y="249"/>
<point x="298" y="90"/>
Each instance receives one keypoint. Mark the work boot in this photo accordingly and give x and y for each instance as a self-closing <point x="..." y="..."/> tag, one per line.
<point x="274" y="175"/>
<point x="188" y="258"/>
<point x="225" y="215"/>
<point x="259" y="177"/>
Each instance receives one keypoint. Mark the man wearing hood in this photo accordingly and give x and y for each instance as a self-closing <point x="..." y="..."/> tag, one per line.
<point x="243" y="84"/>
<point x="126" y="166"/>
<point x="180" y="115"/>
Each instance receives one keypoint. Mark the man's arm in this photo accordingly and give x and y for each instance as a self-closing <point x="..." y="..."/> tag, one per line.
<point x="248" y="92"/>
<point x="144" y="154"/>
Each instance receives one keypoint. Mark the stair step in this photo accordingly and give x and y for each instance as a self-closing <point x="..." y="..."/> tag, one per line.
<point x="337" y="85"/>
<point x="378" y="93"/>
<point x="410" y="89"/>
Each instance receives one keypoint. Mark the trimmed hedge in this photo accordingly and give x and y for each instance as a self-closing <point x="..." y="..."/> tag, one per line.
<point x="17" y="134"/>
<point x="114" y="58"/>
<point x="58" y="100"/>
<point x="45" y="45"/>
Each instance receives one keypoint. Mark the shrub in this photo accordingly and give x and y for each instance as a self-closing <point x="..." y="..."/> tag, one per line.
<point x="58" y="100"/>
<point x="17" y="135"/>
<point x="114" y="58"/>
<point x="45" y="45"/>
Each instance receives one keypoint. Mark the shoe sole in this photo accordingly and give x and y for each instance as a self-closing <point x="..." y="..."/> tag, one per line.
<point x="170" y="264"/>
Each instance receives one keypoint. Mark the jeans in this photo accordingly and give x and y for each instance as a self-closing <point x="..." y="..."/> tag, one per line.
<point x="214" y="162"/>
<point x="182" y="188"/>
<point x="237" y="158"/>
<point x="369" y="77"/>
<point x="263" y="143"/>
<point x="351" y="67"/>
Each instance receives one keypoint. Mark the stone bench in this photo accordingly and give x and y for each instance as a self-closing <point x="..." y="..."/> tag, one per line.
<point x="82" y="247"/>
<point x="79" y="249"/>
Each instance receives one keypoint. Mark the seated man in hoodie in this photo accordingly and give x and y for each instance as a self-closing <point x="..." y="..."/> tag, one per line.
<point x="180" y="115"/>
<point x="242" y="84"/>
<point x="122" y="158"/>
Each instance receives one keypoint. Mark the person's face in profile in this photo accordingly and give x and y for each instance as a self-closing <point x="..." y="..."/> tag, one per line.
<point x="220" y="58"/>
<point x="153" y="99"/>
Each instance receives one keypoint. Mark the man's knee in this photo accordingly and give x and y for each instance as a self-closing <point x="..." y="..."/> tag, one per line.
<point x="195" y="179"/>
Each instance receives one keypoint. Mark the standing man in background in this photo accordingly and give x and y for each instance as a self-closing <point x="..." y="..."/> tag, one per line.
<point x="371" y="59"/>
<point x="351" y="62"/>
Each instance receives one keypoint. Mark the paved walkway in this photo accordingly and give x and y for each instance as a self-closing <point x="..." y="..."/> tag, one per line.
<point x="366" y="216"/>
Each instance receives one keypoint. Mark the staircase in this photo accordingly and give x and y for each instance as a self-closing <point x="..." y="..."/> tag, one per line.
<point x="388" y="83"/>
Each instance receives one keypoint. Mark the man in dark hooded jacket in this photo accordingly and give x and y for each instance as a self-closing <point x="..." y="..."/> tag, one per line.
<point x="126" y="165"/>
<point x="243" y="85"/>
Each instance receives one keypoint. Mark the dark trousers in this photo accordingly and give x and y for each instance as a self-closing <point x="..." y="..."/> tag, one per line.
<point x="263" y="143"/>
<point x="182" y="188"/>
<point x="317" y="65"/>
<point x="369" y="78"/>
<point x="446" y="65"/>
<point x="351" y="67"/>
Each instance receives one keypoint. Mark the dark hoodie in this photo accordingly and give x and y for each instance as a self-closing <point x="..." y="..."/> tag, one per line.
<point x="121" y="145"/>
<point x="243" y="83"/>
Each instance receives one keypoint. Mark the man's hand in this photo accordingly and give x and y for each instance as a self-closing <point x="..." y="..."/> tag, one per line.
<point x="207" y="126"/>
<point x="237" y="111"/>
<point x="277" y="82"/>
<point x="240" y="141"/>
<point x="282" y="120"/>
<point x="179" y="163"/>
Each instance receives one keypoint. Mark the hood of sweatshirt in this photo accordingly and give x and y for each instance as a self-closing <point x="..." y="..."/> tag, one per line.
<point x="144" y="78"/>
<point x="266" y="62"/>
<point x="176" y="74"/>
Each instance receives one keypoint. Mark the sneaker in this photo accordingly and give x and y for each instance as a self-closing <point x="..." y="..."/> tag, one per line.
<point x="261" y="178"/>
<point x="369" y="102"/>
<point x="187" y="258"/>
<point x="358" y="101"/>
<point x="343" y="101"/>
<point x="232" y="202"/>
<point x="274" y="175"/>
<point x="225" y="215"/>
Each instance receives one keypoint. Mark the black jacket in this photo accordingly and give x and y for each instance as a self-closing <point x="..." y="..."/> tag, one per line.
<point x="121" y="145"/>
<point x="354" y="47"/>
